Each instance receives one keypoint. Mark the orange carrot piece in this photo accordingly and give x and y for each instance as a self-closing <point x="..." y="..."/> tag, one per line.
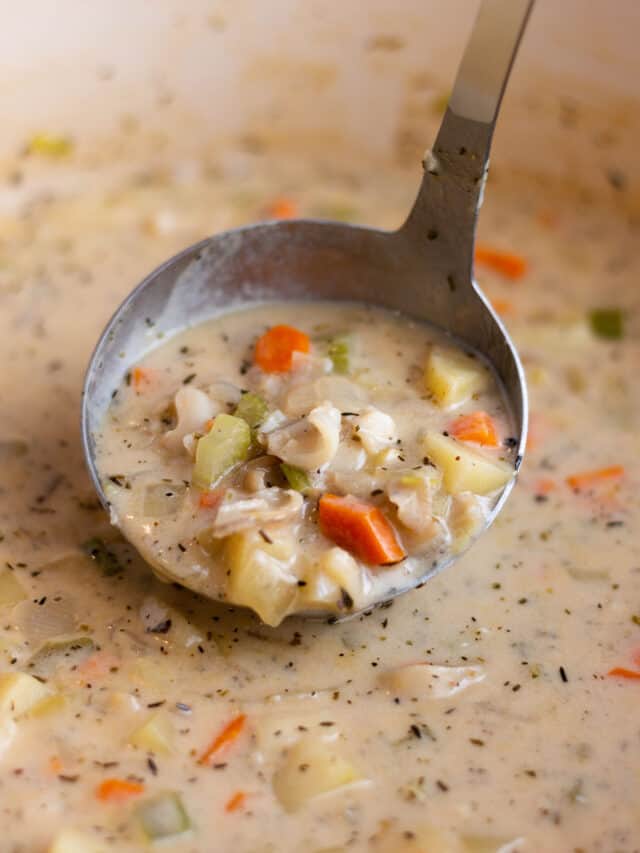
<point x="623" y="672"/>
<point x="274" y="350"/>
<point x="586" y="480"/>
<point x="360" y="528"/>
<point x="141" y="377"/>
<point x="55" y="764"/>
<point x="282" y="208"/>
<point x="544" y="486"/>
<point x="477" y="427"/>
<point x="211" y="499"/>
<point x="230" y="733"/>
<point x="503" y="307"/>
<point x="118" y="790"/>
<point x="235" y="802"/>
<point x="507" y="264"/>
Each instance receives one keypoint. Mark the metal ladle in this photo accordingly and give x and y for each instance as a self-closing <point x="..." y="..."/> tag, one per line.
<point x="424" y="269"/>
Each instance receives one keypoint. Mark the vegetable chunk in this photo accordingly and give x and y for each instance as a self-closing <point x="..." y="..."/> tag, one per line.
<point x="226" y="444"/>
<point x="360" y="528"/>
<point x="452" y="377"/>
<point x="259" y="577"/>
<point x="19" y="693"/>
<point x="163" y="816"/>
<point x="274" y="350"/>
<point x="465" y="469"/>
<point x="312" y="767"/>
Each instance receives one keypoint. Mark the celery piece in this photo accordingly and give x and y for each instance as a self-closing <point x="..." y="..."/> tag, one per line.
<point x="296" y="477"/>
<point x="607" y="323"/>
<point x="252" y="409"/>
<point x="49" y="145"/>
<point x="338" y="352"/>
<point x="163" y="816"/>
<point x="51" y="653"/>
<point x="226" y="444"/>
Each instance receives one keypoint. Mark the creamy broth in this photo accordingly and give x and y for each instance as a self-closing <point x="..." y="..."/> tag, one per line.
<point x="366" y="419"/>
<point x="528" y="740"/>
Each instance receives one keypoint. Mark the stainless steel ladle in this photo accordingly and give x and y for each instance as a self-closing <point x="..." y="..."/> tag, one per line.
<point x="425" y="269"/>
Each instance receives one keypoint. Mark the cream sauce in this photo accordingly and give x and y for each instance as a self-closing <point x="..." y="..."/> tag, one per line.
<point x="540" y="745"/>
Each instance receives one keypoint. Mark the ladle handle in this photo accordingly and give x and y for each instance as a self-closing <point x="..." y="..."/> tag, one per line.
<point x="446" y="209"/>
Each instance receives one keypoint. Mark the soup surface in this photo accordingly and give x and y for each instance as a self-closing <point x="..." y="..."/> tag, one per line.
<point x="493" y="709"/>
<point x="318" y="467"/>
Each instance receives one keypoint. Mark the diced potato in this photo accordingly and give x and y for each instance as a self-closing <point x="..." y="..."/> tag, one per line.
<point x="155" y="735"/>
<point x="48" y="705"/>
<point x="426" y="680"/>
<point x="452" y="377"/>
<point x="74" y="841"/>
<point x="320" y="592"/>
<point x="466" y="519"/>
<point x="259" y="577"/>
<point x="465" y="469"/>
<point x="19" y="693"/>
<point x="11" y="590"/>
<point x="311" y="768"/>
<point x="8" y="730"/>
<point x="340" y="567"/>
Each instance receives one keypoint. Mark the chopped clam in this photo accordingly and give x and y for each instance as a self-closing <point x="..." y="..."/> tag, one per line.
<point x="193" y="409"/>
<point x="375" y="429"/>
<point x="266" y="506"/>
<point x="310" y="443"/>
<point x="412" y="494"/>
<point x="430" y="680"/>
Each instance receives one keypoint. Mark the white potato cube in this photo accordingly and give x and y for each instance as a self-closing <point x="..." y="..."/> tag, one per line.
<point x="259" y="575"/>
<point x="311" y="768"/>
<point x="74" y="841"/>
<point x="465" y="469"/>
<point x="453" y="377"/>
<point x="155" y="735"/>
<point x="19" y="693"/>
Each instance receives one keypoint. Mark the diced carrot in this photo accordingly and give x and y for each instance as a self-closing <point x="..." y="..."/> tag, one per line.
<point x="623" y="672"/>
<point x="544" y="486"/>
<point x="230" y="733"/>
<point x="55" y="764"/>
<point x="274" y="350"/>
<point x="587" y="480"/>
<point x="507" y="264"/>
<point x="477" y="427"/>
<point x="235" y="802"/>
<point x="547" y="218"/>
<point x="97" y="665"/>
<point x="211" y="499"/>
<point x="360" y="528"/>
<point x="503" y="307"/>
<point x="118" y="790"/>
<point x="282" y="208"/>
<point x="141" y="377"/>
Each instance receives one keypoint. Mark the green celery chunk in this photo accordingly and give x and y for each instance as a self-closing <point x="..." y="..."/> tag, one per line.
<point x="607" y="323"/>
<point x="163" y="816"/>
<point x="296" y="477"/>
<point x="226" y="444"/>
<point x="338" y="352"/>
<point x="252" y="409"/>
<point x="65" y="649"/>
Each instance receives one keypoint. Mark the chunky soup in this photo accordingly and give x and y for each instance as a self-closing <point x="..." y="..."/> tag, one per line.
<point x="494" y="709"/>
<point x="318" y="467"/>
